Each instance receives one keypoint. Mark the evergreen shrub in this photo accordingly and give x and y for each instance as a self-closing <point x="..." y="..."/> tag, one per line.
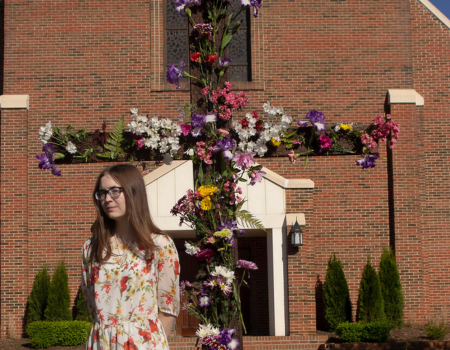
<point x="58" y="296"/>
<point x="370" y="300"/>
<point x="364" y="332"/>
<point x="391" y="288"/>
<point x="45" y="334"/>
<point x="37" y="301"/>
<point x="80" y="309"/>
<point x="338" y="308"/>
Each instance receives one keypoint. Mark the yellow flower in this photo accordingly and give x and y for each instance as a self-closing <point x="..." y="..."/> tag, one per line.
<point x="142" y="299"/>
<point x="119" y="311"/>
<point x="108" y="276"/>
<point x="275" y="143"/>
<point x="206" y="191"/>
<point x="161" y="255"/>
<point x="170" y="251"/>
<point x="206" y="203"/>
<point x="117" y="272"/>
<point x="172" y="291"/>
<point x="346" y="127"/>
<point x="142" y="284"/>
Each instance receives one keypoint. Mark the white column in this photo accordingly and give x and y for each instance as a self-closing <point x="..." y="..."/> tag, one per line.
<point x="276" y="275"/>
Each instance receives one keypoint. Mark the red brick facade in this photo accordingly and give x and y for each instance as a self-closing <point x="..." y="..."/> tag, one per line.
<point x="84" y="62"/>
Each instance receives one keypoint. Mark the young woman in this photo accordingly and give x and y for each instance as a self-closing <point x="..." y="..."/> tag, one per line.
<point x="130" y="272"/>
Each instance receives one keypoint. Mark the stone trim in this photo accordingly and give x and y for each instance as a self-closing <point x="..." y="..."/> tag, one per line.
<point x="430" y="7"/>
<point x="404" y="96"/>
<point x="14" y="101"/>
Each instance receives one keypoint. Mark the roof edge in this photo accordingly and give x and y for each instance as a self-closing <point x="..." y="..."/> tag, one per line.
<point x="434" y="10"/>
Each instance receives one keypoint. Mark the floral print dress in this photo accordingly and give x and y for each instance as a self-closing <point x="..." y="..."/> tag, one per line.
<point x="125" y="293"/>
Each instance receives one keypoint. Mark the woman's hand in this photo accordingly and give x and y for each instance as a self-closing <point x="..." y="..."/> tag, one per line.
<point x="167" y="321"/>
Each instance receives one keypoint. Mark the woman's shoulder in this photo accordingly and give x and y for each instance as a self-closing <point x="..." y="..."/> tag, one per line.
<point x="162" y="240"/>
<point x="87" y="246"/>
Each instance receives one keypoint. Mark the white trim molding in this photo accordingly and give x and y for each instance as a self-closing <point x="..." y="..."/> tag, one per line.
<point x="14" y="101"/>
<point x="405" y="96"/>
<point x="430" y="7"/>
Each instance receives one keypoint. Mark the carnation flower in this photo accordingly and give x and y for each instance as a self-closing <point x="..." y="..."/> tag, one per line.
<point x="205" y="254"/>
<point x="325" y="142"/>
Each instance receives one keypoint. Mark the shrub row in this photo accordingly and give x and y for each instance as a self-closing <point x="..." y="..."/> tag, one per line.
<point x="364" y="332"/>
<point x="44" y="334"/>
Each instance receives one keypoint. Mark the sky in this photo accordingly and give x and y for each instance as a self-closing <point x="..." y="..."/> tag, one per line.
<point x="443" y="6"/>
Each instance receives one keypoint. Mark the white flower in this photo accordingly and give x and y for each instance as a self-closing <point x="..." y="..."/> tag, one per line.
<point x="211" y="117"/>
<point x="191" y="249"/>
<point x="233" y="344"/>
<point x="71" y="148"/>
<point x="189" y="152"/>
<point x="207" y="331"/>
<point x="134" y="111"/>
<point x="337" y="128"/>
<point x="45" y="133"/>
<point x="224" y="272"/>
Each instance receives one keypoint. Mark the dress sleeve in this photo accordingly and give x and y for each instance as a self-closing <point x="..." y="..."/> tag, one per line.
<point x="168" y="277"/>
<point x="87" y="285"/>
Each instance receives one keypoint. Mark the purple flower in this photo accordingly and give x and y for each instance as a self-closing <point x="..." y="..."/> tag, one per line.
<point x="46" y="160"/>
<point x="256" y="177"/>
<point x="225" y="63"/>
<point x="244" y="264"/>
<point x="368" y="161"/>
<point x="316" y="119"/>
<point x="225" y="336"/>
<point x="180" y="5"/>
<point x="255" y="3"/>
<point x="302" y="124"/>
<point x="174" y="74"/>
<point x="204" y="301"/>
<point x="197" y="121"/>
<point x="244" y="159"/>
<point x="231" y="225"/>
<point x="226" y="145"/>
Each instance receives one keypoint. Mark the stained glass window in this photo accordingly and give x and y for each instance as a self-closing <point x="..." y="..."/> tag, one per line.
<point x="177" y="43"/>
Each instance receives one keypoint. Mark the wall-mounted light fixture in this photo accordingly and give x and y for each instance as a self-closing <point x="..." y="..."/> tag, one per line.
<point x="296" y="235"/>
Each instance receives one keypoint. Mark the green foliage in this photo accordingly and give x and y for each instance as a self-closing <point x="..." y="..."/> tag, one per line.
<point x="80" y="310"/>
<point x="391" y="289"/>
<point x="248" y="220"/>
<point x="115" y="142"/>
<point x="58" y="296"/>
<point x="37" y="301"/>
<point x="338" y="308"/>
<point x="370" y="301"/>
<point x="436" y="331"/>
<point x="364" y="332"/>
<point x="44" y="334"/>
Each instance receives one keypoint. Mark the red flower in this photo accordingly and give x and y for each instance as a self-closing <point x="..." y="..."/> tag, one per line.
<point x="244" y="123"/>
<point x="130" y="345"/>
<point x="210" y="58"/>
<point x="153" y="325"/>
<point x="160" y="266"/>
<point x="195" y="57"/>
<point x="169" y="299"/>
<point x="146" y="335"/>
<point x="95" y="271"/>
<point x="113" y="320"/>
<point x="123" y="284"/>
<point x="107" y="287"/>
<point x="177" y="268"/>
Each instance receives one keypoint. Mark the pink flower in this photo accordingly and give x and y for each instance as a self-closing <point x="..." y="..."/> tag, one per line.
<point x="291" y="156"/>
<point x="244" y="159"/>
<point x="256" y="177"/>
<point x="325" y="142"/>
<point x="205" y="91"/>
<point x="140" y="143"/>
<point x="186" y="129"/>
<point x="223" y="132"/>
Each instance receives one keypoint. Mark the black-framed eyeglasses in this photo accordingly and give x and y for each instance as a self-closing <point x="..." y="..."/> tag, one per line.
<point x="113" y="192"/>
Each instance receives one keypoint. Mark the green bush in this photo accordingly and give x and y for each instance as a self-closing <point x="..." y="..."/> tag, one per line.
<point x="370" y="301"/>
<point x="436" y="332"/>
<point x="391" y="289"/>
<point x="37" y="301"/>
<point x="80" y="309"/>
<point x="58" y="296"/>
<point x="338" y="308"/>
<point x="44" y="334"/>
<point x="364" y="332"/>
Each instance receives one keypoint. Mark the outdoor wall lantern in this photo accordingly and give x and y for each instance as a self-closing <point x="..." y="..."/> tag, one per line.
<point x="296" y="235"/>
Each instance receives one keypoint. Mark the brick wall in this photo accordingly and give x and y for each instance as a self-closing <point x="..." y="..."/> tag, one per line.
<point x="86" y="62"/>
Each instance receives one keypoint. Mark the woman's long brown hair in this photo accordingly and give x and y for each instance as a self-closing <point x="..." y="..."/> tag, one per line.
<point x="137" y="210"/>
